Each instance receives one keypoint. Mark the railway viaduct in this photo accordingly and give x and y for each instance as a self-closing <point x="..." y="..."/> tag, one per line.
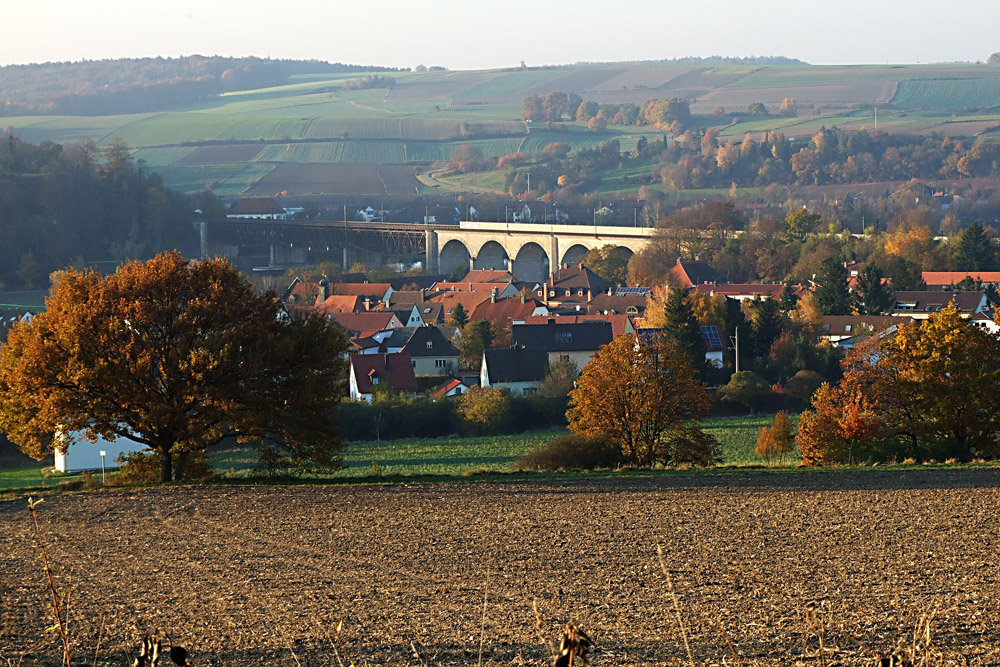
<point x="530" y="251"/>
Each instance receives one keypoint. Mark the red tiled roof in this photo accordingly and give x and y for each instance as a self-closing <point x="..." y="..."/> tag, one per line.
<point x="356" y="323"/>
<point x="945" y="278"/>
<point x="488" y="276"/>
<point x="504" y="311"/>
<point x="619" y="323"/>
<point x="374" y="290"/>
<point x="396" y="369"/>
<point x="339" y="303"/>
<point x="448" y="300"/>
<point x="465" y="286"/>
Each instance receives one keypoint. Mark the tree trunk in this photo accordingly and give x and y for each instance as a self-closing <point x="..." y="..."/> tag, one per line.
<point x="166" y="465"/>
<point x="179" y="469"/>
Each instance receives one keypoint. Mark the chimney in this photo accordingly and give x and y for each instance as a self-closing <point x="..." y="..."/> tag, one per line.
<point x="385" y="358"/>
<point x="368" y="304"/>
<point x="679" y="259"/>
<point x="551" y="320"/>
<point x="697" y="257"/>
<point x="580" y="265"/>
<point x="590" y="296"/>
<point x="565" y="266"/>
<point x="321" y="297"/>
<point x="522" y="298"/>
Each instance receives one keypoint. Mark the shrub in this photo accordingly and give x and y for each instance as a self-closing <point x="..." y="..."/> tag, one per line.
<point x="485" y="408"/>
<point x="571" y="452"/>
<point x="803" y="385"/>
<point x="776" y="440"/>
<point x="144" y="467"/>
<point x="690" y="444"/>
<point x="746" y="388"/>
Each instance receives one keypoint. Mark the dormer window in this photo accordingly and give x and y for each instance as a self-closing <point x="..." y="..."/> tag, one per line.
<point x="430" y="345"/>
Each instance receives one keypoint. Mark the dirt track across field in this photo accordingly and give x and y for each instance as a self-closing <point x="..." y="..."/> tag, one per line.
<point x="254" y="576"/>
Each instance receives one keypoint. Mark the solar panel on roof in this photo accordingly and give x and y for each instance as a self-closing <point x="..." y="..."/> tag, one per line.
<point x="711" y="334"/>
<point x="632" y="291"/>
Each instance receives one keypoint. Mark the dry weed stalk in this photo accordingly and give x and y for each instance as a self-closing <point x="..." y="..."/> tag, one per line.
<point x="815" y="625"/>
<point x="920" y="652"/>
<point x="60" y="624"/>
<point x="574" y="646"/>
<point x="673" y="596"/>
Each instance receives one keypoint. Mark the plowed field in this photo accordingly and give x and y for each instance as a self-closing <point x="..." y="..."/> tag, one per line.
<point x="434" y="574"/>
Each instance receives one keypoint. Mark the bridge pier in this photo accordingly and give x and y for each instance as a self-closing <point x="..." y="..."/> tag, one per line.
<point x="432" y="257"/>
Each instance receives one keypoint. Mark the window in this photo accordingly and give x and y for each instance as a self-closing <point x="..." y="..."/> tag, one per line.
<point x="564" y="336"/>
<point x="440" y="363"/>
<point x="430" y="345"/>
<point x="847" y="328"/>
<point x="530" y="390"/>
<point x="563" y="357"/>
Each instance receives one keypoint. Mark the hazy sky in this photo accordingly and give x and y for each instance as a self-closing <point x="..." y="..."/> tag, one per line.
<point x="475" y="34"/>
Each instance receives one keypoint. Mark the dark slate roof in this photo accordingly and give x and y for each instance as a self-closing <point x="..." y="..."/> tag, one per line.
<point x="256" y="206"/>
<point x="440" y="346"/>
<point x="421" y="282"/>
<point x="853" y="325"/>
<point x="613" y="304"/>
<point x="934" y="300"/>
<point x="576" y="277"/>
<point x="553" y="337"/>
<point x="517" y="365"/>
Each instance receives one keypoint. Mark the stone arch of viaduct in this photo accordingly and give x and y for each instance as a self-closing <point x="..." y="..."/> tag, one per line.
<point x="529" y="251"/>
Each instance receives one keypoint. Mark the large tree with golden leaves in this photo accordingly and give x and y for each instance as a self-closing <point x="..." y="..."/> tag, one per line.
<point x="645" y="396"/>
<point x="177" y="355"/>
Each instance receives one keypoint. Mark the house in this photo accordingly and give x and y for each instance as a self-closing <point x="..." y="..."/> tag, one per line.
<point x="620" y="324"/>
<point x="500" y="290"/>
<point x="368" y="371"/>
<point x="714" y="347"/>
<point x="745" y="291"/>
<point x="837" y="329"/>
<point x="921" y="305"/>
<point x="448" y="300"/>
<point x="257" y="208"/>
<point x="373" y="292"/>
<point x="449" y="388"/>
<point x="339" y="303"/>
<point x="520" y="371"/>
<point x="617" y="304"/>
<point x="360" y="324"/>
<point x="572" y="285"/>
<point x="986" y="320"/>
<point x="390" y="341"/>
<point x="574" y="342"/>
<point x="488" y="276"/>
<point x="505" y="312"/>
<point x="537" y="211"/>
<point x="687" y="273"/>
<point x="431" y="352"/>
<point x="75" y="453"/>
<point x="9" y="318"/>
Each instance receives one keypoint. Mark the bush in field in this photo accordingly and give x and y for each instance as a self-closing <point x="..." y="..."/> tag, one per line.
<point x="776" y="440"/>
<point x="571" y="452"/>
<point x="485" y="408"/>
<point x="690" y="444"/>
<point x="803" y="385"/>
<point x="145" y="468"/>
<point x="746" y="388"/>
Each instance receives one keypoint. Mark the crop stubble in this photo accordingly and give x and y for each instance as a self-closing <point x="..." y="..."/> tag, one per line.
<point x="250" y="575"/>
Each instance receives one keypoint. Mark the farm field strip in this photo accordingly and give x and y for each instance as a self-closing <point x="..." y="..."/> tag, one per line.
<point x="260" y="575"/>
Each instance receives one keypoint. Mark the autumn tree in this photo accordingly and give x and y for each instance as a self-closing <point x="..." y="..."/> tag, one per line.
<point x="476" y="338"/>
<point x="486" y="408"/>
<point x="776" y="440"/>
<point x="799" y="222"/>
<point x="927" y="392"/>
<point x="609" y="262"/>
<point x="176" y="355"/>
<point x="645" y="396"/>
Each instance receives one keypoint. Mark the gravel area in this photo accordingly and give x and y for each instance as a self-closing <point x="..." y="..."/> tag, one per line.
<point x="767" y="569"/>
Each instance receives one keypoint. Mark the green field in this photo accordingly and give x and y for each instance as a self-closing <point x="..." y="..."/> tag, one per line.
<point x="424" y="115"/>
<point x="434" y="456"/>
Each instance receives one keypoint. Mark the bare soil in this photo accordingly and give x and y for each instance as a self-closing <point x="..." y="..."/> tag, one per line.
<point x="434" y="574"/>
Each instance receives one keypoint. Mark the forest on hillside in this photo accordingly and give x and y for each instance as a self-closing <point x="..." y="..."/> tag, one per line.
<point x="136" y="85"/>
<point x="62" y="205"/>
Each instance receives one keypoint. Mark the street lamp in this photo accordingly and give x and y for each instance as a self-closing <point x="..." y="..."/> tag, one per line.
<point x="103" y="475"/>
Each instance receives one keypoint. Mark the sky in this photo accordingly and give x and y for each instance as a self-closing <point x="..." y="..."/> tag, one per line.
<point x="481" y="34"/>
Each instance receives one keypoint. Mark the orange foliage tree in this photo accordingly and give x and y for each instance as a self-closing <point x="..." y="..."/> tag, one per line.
<point x="645" y="396"/>
<point x="926" y="392"/>
<point x="176" y="355"/>
<point x="777" y="440"/>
